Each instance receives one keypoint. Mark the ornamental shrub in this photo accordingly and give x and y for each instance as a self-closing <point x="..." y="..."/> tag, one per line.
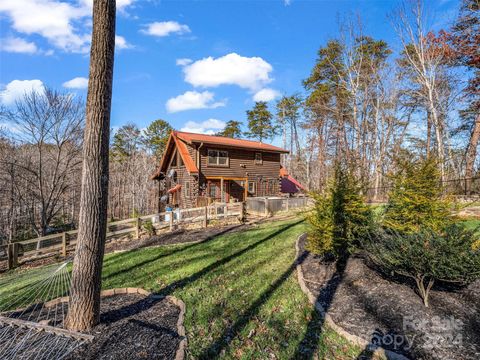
<point x="416" y="199"/>
<point x="148" y="227"/>
<point x="427" y="256"/>
<point x="340" y="218"/>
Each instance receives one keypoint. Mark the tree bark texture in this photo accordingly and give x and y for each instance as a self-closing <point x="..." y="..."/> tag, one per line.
<point x="471" y="154"/>
<point x="84" y="308"/>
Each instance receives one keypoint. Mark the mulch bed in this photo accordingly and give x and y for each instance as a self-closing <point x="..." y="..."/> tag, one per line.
<point x="132" y="327"/>
<point x="387" y="311"/>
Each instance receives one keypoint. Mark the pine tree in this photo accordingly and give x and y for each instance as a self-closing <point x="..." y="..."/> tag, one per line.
<point x="260" y="124"/>
<point x="341" y="219"/>
<point x="156" y="137"/>
<point x="126" y="141"/>
<point x="84" y="306"/>
<point x="416" y="199"/>
<point x="231" y="130"/>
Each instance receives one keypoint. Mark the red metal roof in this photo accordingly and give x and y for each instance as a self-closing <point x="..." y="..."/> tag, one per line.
<point x="187" y="159"/>
<point x="297" y="184"/>
<point x="180" y="137"/>
<point x="226" y="141"/>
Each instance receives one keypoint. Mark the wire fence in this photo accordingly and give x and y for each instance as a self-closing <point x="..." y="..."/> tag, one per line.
<point x="463" y="188"/>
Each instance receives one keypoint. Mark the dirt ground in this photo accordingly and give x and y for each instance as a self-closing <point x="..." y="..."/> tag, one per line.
<point x="133" y="327"/>
<point x="387" y="311"/>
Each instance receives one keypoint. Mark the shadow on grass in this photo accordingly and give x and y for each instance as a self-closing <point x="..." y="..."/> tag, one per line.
<point x="307" y="348"/>
<point x="162" y="255"/>
<point x="144" y="304"/>
<point x="232" y="331"/>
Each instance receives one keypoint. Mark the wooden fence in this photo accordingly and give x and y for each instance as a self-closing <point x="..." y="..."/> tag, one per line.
<point x="61" y="243"/>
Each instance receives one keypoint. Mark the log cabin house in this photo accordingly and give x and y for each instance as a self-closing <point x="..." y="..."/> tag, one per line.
<point x="198" y="169"/>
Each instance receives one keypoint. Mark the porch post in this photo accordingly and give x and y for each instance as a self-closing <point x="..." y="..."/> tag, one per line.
<point x="221" y="189"/>
<point x="245" y="189"/>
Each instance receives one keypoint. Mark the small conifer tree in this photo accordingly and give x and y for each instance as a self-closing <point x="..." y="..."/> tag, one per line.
<point x="341" y="218"/>
<point x="428" y="256"/>
<point x="416" y="199"/>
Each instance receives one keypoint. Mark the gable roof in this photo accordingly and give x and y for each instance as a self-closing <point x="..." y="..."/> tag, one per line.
<point x="180" y="139"/>
<point x="174" y="142"/>
<point x="226" y="141"/>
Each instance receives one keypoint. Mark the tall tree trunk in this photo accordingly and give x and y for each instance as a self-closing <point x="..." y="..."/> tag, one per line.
<point x="429" y="132"/>
<point x="471" y="155"/>
<point x="84" y="309"/>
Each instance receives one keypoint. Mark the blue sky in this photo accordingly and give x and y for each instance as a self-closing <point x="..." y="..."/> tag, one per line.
<point x="196" y="64"/>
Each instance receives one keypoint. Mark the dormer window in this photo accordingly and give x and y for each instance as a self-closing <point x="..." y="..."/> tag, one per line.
<point x="218" y="158"/>
<point x="258" y="158"/>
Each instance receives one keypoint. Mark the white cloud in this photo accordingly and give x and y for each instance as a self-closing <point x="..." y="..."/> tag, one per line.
<point x="183" y="61"/>
<point x="210" y="126"/>
<point x="232" y="69"/>
<point x="165" y="28"/>
<point x="121" y="4"/>
<point x="266" y="94"/>
<point x="121" y="43"/>
<point x="51" y="19"/>
<point x="10" y="127"/>
<point x="76" y="83"/>
<point x="63" y="24"/>
<point x="193" y="100"/>
<point x="287" y="2"/>
<point x="17" y="45"/>
<point x="17" y="88"/>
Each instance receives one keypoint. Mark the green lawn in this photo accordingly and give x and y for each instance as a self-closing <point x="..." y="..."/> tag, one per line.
<point x="240" y="290"/>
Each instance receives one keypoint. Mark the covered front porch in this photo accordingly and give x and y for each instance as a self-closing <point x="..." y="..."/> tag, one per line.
<point x="226" y="189"/>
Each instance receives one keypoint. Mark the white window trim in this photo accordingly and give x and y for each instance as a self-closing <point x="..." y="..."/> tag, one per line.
<point x="258" y="162"/>
<point x="254" y="187"/>
<point x="218" y="157"/>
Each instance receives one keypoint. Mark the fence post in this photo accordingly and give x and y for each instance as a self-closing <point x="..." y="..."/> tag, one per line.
<point x="288" y="201"/>
<point x="205" y="219"/>
<point x="12" y="252"/>
<point x="171" y="221"/>
<point x="138" y="227"/>
<point x="266" y="207"/>
<point x="64" y="244"/>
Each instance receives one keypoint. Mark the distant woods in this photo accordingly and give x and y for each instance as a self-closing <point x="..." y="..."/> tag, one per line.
<point x="361" y="103"/>
<point x="41" y="161"/>
<point x="364" y="104"/>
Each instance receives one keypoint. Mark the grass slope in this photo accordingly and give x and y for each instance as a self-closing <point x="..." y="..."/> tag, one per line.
<point x="240" y="289"/>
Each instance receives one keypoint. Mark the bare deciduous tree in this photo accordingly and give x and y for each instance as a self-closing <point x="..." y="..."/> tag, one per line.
<point x="44" y="154"/>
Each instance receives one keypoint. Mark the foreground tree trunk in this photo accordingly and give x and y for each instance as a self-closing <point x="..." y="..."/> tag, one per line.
<point x="471" y="155"/>
<point x="84" y="308"/>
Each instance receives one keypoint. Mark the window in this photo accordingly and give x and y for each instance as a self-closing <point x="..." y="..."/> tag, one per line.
<point x="212" y="190"/>
<point x="272" y="186"/>
<point x="251" y="187"/>
<point x="217" y="157"/>
<point x="258" y="158"/>
<point x="187" y="189"/>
